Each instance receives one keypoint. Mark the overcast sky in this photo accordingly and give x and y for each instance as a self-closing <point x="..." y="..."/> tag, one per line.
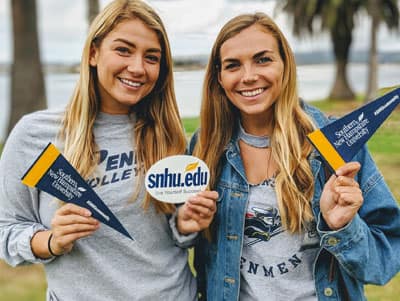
<point x="192" y="26"/>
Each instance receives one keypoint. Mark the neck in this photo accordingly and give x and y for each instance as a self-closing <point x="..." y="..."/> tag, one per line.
<point x="253" y="140"/>
<point x="257" y="126"/>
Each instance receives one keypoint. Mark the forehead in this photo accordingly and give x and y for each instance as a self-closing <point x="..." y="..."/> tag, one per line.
<point x="248" y="42"/>
<point x="134" y="31"/>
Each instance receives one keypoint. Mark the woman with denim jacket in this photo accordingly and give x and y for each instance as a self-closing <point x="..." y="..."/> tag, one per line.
<point x="285" y="228"/>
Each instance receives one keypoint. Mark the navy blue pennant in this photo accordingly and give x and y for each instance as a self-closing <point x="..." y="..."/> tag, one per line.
<point x="340" y="141"/>
<point x="52" y="173"/>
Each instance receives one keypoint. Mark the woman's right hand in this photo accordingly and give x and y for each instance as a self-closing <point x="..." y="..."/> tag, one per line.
<point x="341" y="197"/>
<point x="197" y="213"/>
<point x="70" y="223"/>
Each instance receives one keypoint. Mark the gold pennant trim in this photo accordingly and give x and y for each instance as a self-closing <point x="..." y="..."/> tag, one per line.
<point x="41" y="165"/>
<point x="326" y="149"/>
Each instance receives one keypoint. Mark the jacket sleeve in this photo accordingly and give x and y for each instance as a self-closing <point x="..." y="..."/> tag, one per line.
<point x="192" y="143"/>
<point x="368" y="247"/>
<point x="19" y="205"/>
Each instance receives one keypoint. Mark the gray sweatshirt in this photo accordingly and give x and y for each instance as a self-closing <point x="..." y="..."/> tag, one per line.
<point x="106" y="265"/>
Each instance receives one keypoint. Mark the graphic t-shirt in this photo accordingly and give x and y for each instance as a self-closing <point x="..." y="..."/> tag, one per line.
<point x="275" y="265"/>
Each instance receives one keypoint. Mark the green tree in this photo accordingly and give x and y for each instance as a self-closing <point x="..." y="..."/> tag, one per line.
<point x="336" y="17"/>
<point x="27" y="79"/>
<point x="380" y="11"/>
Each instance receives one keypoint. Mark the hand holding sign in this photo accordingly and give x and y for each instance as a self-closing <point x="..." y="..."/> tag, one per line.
<point x="183" y="179"/>
<point x="70" y="223"/>
<point x="341" y="197"/>
<point x="197" y="213"/>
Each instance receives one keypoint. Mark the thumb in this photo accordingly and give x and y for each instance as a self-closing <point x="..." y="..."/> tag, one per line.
<point x="330" y="181"/>
<point x="350" y="169"/>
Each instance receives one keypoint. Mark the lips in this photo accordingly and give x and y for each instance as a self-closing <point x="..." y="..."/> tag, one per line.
<point x="252" y="93"/>
<point x="131" y="83"/>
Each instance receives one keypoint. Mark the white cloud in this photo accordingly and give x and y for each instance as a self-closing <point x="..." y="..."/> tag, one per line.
<point x="192" y="26"/>
<point x="188" y="16"/>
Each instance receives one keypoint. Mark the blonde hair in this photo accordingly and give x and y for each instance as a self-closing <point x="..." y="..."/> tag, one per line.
<point x="290" y="148"/>
<point x="158" y="130"/>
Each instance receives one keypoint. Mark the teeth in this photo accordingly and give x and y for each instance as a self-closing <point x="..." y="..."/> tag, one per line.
<point x="130" y="83"/>
<point x="252" y="93"/>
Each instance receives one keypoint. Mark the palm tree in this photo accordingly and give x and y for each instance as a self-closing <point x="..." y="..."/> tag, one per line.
<point x="386" y="11"/>
<point x="335" y="16"/>
<point x="27" y="80"/>
<point x="93" y="8"/>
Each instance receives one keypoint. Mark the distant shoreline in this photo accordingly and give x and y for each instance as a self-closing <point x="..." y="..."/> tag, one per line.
<point x="198" y="62"/>
<point x="62" y="68"/>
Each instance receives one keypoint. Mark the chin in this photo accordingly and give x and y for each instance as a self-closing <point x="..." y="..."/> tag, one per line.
<point x="129" y="101"/>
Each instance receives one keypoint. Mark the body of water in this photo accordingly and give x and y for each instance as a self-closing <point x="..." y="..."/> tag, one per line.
<point x="315" y="82"/>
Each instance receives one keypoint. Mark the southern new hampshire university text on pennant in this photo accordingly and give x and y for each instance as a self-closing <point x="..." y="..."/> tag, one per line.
<point x="339" y="141"/>
<point x="53" y="174"/>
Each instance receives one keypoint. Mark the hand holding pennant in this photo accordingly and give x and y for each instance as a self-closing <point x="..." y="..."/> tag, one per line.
<point x="339" y="141"/>
<point x="52" y="173"/>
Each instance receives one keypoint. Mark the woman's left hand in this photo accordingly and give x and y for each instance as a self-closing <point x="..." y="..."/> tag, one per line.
<point x="341" y="197"/>
<point x="197" y="213"/>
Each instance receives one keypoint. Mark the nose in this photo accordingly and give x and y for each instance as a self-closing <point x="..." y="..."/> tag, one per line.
<point x="136" y="65"/>
<point x="249" y="75"/>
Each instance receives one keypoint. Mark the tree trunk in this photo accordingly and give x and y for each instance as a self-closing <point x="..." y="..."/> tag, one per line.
<point x="372" y="84"/>
<point x="93" y="8"/>
<point x="341" y="88"/>
<point x="27" y="80"/>
<point x="341" y="40"/>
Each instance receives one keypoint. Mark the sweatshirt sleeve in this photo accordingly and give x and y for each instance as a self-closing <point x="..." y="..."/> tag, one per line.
<point x="182" y="241"/>
<point x="19" y="204"/>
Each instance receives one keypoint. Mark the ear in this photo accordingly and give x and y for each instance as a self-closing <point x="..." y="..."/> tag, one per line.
<point x="219" y="77"/>
<point x="94" y="52"/>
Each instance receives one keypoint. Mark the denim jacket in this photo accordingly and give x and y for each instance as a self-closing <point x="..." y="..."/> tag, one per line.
<point x="365" y="251"/>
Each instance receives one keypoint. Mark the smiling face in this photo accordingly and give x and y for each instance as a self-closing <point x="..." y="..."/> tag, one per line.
<point x="252" y="72"/>
<point x="128" y="65"/>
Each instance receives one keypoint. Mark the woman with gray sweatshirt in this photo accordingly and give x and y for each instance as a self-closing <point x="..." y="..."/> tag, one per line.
<point x="121" y="119"/>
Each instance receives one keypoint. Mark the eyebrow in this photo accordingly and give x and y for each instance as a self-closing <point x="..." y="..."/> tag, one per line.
<point x="261" y="53"/>
<point x="153" y="50"/>
<point x="255" y="56"/>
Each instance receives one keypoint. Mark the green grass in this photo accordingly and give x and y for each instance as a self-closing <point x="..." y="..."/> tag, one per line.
<point x="28" y="283"/>
<point x="386" y="140"/>
<point x="25" y="283"/>
<point x="190" y="124"/>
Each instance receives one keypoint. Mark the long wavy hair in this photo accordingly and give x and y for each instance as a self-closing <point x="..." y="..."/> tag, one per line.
<point x="158" y="130"/>
<point x="290" y="148"/>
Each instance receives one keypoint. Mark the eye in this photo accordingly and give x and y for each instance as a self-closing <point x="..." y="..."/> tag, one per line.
<point x="152" y="59"/>
<point x="124" y="51"/>
<point x="231" y="66"/>
<point x="263" y="60"/>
